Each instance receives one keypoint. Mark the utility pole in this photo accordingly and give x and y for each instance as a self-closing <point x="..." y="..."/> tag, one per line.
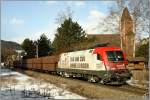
<point x="149" y="33"/>
<point x="37" y="50"/>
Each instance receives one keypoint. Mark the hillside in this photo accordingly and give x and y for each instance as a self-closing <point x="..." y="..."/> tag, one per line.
<point x="8" y="48"/>
<point x="10" y="45"/>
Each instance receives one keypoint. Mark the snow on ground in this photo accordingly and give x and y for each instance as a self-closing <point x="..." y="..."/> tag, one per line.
<point x="17" y="86"/>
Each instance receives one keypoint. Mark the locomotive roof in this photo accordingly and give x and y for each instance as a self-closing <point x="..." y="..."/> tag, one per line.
<point x="97" y="49"/>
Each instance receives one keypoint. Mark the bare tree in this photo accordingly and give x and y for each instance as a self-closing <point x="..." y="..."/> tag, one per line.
<point x="139" y="10"/>
<point x="63" y="15"/>
<point x="112" y="21"/>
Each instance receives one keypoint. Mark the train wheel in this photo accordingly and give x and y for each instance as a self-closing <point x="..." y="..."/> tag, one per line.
<point x="105" y="81"/>
<point x="66" y="74"/>
<point x="93" y="79"/>
<point x="102" y="82"/>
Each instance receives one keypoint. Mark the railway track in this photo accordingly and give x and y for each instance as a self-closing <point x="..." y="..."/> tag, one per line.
<point x="128" y="88"/>
<point x="134" y="89"/>
<point x="124" y="88"/>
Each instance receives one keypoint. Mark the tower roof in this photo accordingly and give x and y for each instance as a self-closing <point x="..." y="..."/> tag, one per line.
<point x="126" y="15"/>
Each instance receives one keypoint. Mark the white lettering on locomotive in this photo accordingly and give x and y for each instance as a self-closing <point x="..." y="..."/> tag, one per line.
<point x="84" y="59"/>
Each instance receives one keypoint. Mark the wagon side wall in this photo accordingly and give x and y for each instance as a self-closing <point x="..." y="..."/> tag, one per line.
<point x="48" y="63"/>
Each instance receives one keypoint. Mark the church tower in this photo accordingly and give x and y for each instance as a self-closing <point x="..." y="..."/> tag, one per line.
<point x="127" y="34"/>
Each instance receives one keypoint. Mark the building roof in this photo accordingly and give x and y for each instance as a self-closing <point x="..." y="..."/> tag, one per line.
<point x="112" y="39"/>
<point x="106" y="35"/>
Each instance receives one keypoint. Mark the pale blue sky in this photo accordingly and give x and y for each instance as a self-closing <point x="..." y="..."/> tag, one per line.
<point x="29" y="19"/>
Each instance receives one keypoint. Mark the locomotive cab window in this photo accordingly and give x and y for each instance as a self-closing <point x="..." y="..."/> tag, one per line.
<point x="99" y="57"/>
<point x="115" y="55"/>
<point x="119" y="55"/>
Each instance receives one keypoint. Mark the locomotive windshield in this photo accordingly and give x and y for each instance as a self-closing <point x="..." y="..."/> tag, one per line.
<point x="115" y="55"/>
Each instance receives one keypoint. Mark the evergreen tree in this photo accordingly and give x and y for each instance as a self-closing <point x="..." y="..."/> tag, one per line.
<point x="29" y="47"/>
<point x="143" y="51"/>
<point x="68" y="34"/>
<point x="44" y="45"/>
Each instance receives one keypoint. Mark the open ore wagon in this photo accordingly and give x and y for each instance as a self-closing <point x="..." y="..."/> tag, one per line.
<point x="48" y="63"/>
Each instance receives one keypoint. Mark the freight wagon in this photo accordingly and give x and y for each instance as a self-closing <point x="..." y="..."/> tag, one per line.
<point x="45" y="64"/>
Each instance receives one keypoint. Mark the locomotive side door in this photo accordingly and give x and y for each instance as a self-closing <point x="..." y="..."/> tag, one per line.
<point x="99" y="62"/>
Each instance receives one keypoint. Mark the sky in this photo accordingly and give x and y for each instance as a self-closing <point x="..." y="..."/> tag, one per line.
<point x="29" y="19"/>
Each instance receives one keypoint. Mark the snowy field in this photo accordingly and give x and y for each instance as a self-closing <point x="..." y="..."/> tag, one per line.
<point x="17" y="86"/>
